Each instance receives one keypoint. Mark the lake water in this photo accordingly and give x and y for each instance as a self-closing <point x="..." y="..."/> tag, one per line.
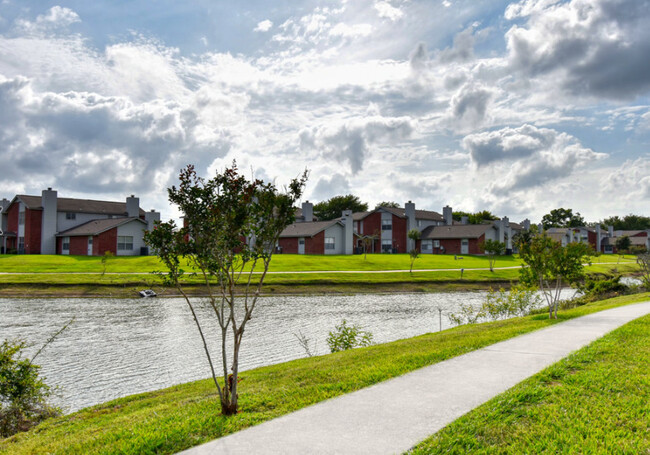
<point x="117" y="347"/>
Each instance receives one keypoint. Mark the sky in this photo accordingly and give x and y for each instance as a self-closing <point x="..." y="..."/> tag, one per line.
<point x="513" y="107"/>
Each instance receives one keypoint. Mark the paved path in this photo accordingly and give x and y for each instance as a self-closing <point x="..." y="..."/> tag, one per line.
<point x="393" y="416"/>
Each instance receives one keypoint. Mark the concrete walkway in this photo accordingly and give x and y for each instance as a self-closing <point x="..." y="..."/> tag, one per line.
<point x="393" y="416"/>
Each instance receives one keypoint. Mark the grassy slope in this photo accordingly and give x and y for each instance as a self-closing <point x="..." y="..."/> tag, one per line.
<point x="59" y="270"/>
<point x="173" y="419"/>
<point x="595" y="401"/>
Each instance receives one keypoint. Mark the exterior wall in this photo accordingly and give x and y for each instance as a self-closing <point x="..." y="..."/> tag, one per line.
<point x="451" y="246"/>
<point x="289" y="245"/>
<point x="62" y="224"/>
<point x="338" y="232"/>
<point x="12" y="218"/>
<point x="475" y="245"/>
<point x="134" y="229"/>
<point x="315" y="244"/>
<point x="33" y="231"/>
<point x="371" y="225"/>
<point x="399" y="234"/>
<point x="106" y="241"/>
<point x="423" y="224"/>
<point x="79" y="246"/>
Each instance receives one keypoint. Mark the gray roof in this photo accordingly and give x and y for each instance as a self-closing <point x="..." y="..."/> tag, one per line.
<point x="64" y="204"/>
<point x="462" y="231"/>
<point x="308" y="229"/>
<point x="96" y="227"/>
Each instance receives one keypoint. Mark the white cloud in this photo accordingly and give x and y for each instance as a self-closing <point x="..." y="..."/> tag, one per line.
<point x="388" y="11"/>
<point x="57" y="17"/>
<point x="263" y="26"/>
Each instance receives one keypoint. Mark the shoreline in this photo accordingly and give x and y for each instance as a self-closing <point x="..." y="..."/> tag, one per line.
<point x="130" y="290"/>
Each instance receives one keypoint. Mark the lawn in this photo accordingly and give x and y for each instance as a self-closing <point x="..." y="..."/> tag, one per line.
<point x="595" y="401"/>
<point x="176" y="418"/>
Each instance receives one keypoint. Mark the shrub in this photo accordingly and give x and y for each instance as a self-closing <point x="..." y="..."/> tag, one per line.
<point x="23" y="393"/>
<point x="346" y="337"/>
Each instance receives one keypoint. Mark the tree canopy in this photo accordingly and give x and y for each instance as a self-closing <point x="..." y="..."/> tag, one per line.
<point x="562" y="218"/>
<point x="628" y="222"/>
<point x="390" y="204"/>
<point x="332" y="208"/>
<point x="475" y="218"/>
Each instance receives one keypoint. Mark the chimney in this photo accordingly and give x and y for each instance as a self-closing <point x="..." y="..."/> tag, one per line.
<point x="526" y="224"/>
<point x="464" y="219"/>
<point x="610" y="231"/>
<point x="540" y="228"/>
<point x="411" y="223"/>
<point x="48" y="221"/>
<point x="599" y="238"/>
<point x="507" y="234"/>
<point x="501" y="225"/>
<point x="349" y="232"/>
<point x="308" y="211"/>
<point x="151" y="217"/>
<point x="133" y="207"/>
<point x="447" y="215"/>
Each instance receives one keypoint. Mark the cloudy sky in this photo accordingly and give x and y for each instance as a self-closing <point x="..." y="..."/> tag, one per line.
<point x="513" y="107"/>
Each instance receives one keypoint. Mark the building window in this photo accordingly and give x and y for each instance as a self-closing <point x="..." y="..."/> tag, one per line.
<point x="387" y="225"/>
<point x="329" y="243"/>
<point x="436" y="243"/>
<point x="427" y="246"/>
<point x="125" y="243"/>
<point x="65" y="244"/>
<point x="21" y="218"/>
<point x="386" y="246"/>
<point x="70" y="216"/>
<point x="21" y="244"/>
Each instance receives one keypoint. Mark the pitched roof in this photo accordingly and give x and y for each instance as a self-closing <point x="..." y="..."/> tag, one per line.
<point x="401" y="212"/>
<point x="462" y="231"/>
<point x="64" y="204"/>
<point x="308" y="229"/>
<point x="96" y="227"/>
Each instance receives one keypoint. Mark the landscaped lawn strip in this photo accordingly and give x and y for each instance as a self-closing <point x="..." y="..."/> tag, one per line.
<point x="176" y="418"/>
<point x="596" y="401"/>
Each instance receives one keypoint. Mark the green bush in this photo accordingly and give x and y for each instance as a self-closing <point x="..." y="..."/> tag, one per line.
<point x="346" y="337"/>
<point x="23" y="393"/>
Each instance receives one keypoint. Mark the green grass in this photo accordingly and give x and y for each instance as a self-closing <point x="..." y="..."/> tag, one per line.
<point x="136" y="270"/>
<point x="596" y="401"/>
<point x="176" y="418"/>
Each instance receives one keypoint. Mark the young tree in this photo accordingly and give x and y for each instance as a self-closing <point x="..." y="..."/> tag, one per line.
<point x="644" y="262"/>
<point x="413" y="235"/>
<point x="623" y="244"/>
<point x="562" y="218"/>
<point x="231" y="228"/>
<point x="549" y="265"/>
<point x="332" y="208"/>
<point x="492" y="249"/>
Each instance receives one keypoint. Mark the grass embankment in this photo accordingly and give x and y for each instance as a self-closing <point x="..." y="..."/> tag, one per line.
<point x="176" y="418"/>
<point x="122" y="276"/>
<point x="595" y="401"/>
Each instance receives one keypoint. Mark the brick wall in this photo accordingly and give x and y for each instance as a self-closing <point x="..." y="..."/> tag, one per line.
<point x="399" y="234"/>
<point x="79" y="246"/>
<point x="33" y="221"/>
<point x="289" y="245"/>
<point x="106" y="241"/>
<point x="316" y="244"/>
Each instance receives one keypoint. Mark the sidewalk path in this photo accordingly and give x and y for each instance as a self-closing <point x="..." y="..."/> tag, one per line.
<point x="393" y="416"/>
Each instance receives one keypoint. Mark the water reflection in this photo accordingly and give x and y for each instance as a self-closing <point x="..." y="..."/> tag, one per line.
<point x="118" y="347"/>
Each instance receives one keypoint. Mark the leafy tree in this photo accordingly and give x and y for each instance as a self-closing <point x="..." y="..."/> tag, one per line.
<point x="346" y="337"/>
<point x="413" y="235"/>
<point x="550" y="266"/>
<point x="623" y="244"/>
<point x="389" y="204"/>
<point x="232" y="226"/>
<point x="475" y="218"/>
<point x="562" y="218"/>
<point x="628" y="222"/>
<point x="23" y="392"/>
<point x="332" y="208"/>
<point x="492" y="249"/>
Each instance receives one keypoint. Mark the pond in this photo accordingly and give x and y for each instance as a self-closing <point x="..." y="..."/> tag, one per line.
<point x="117" y="347"/>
